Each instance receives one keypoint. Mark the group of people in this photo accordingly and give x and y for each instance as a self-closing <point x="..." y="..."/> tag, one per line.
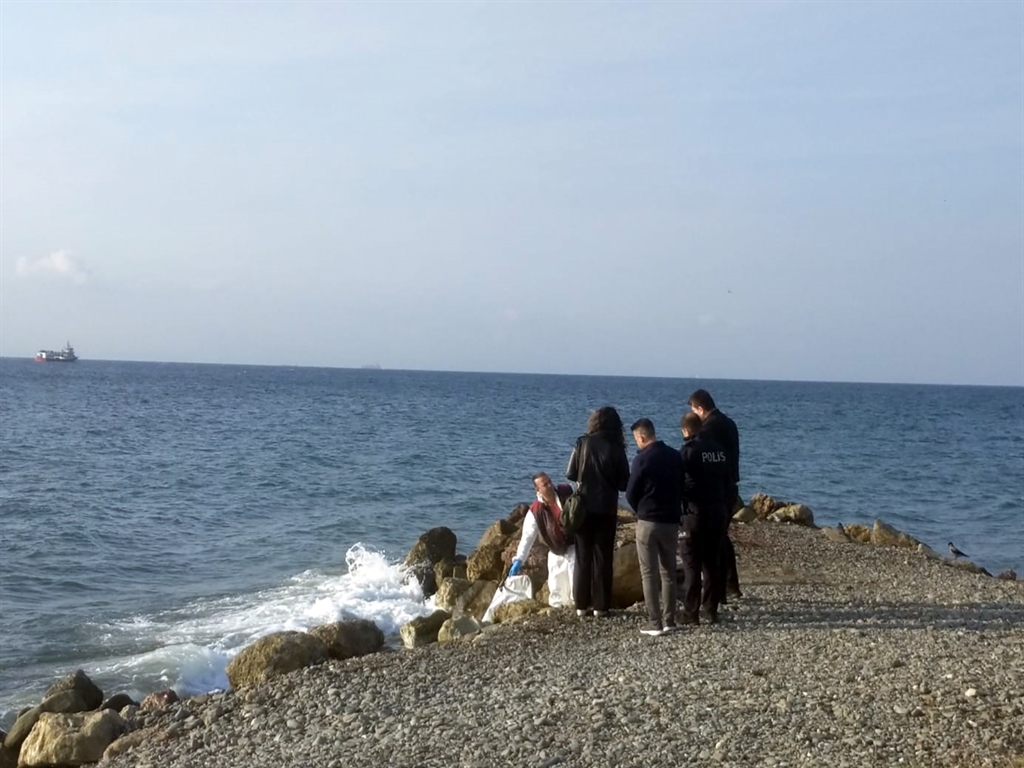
<point x="683" y="500"/>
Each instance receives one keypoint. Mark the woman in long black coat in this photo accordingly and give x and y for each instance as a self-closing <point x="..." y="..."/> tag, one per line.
<point x="599" y="464"/>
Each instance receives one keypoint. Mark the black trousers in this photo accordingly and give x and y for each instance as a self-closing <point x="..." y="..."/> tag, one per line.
<point x="595" y="551"/>
<point x="700" y="549"/>
<point x="730" y="577"/>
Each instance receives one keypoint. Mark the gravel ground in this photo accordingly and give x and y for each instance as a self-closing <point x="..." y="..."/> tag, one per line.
<point x="837" y="654"/>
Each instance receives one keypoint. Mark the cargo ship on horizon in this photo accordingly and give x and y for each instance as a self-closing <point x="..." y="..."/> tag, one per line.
<point x="66" y="355"/>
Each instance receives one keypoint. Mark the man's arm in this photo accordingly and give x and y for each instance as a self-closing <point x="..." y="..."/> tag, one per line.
<point x="633" y="485"/>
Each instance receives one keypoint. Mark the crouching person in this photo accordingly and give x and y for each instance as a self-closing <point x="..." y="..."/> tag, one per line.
<point x="543" y="520"/>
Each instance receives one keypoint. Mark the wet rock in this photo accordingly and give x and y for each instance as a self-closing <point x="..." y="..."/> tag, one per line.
<point x="352" y="637"/>
<point x="456" y="628"/>
<point x="70" y="739"/>
<point x="91" y="695"/>
<point x="273" y="655"/>
<point x="423" y="630"/>
<point x="118" y="702"/>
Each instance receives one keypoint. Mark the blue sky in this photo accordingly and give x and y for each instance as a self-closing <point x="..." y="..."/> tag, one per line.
<point x="824" y="191"/>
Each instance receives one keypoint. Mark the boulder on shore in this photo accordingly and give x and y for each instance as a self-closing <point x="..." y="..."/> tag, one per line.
<point x="349" y="638"/>
<point x="70" y="739"/>
<point x="434" y="546"/>
<point x="883" y="534"/>
<point x="423" y="630"/>
<point x="458" y="628"/>
<point x="795" y="514"/>
<point x="90" y="693"/>
<point x="275" y="654"/>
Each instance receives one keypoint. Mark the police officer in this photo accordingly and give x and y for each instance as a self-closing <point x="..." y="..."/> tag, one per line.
<point x="706" y="484"/>
<point x="722" y="430"/>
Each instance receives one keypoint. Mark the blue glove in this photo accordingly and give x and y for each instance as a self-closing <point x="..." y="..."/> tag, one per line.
<point x="516" y="566"/>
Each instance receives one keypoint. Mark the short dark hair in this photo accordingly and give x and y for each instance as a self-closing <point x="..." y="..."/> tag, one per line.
<point x="539" y="475"/>
<point x="644" y="426"/>
<point x="702" y="399"/>
<point x="690" y="423"/>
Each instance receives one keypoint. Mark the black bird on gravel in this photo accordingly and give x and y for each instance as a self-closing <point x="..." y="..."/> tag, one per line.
<point x="955" y="552"/>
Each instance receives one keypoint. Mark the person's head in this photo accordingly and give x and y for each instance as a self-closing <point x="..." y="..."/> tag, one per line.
<point x="702" y="403"/>
<point x="690" y="424"/>
<point x="607" y="421"/>
<point x="543" y="485"/>
<point x="643" y="433"/>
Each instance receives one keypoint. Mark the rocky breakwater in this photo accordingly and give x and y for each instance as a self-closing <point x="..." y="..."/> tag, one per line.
<point x="838" y="654"/>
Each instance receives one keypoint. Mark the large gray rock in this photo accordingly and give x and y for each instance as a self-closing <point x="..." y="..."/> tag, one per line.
<point x="499" y="532"/>
<point x="22" y="727"/>
<point x="838" y="535"/>
<point x="477" y="599"/>
<point x="66" y="702"/>
<point x="744" y="515"/>
<point x="70" y="739"/>
<point x="627" y="587"/>
<point x="435" y="546"/>
<point x="91" y="695"/>
<point x="423" y="630"/>
<point x="458" y="628"/>
<point x="509" y="613"/>
<point x="275" y="654"/>
<point x="763" y="505"/>
<point x="885" y="535"/>
<point x="349" y="638"/>
<point x="486" y="562"/>
<point x="432" y="547"/>
<point x="795" y="514"/>
<point x="119" y="701"/>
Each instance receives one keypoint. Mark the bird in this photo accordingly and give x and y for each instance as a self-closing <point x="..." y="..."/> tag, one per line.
<point x="955" y="552"/>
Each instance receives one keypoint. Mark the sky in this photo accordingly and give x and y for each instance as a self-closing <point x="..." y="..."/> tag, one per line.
<point x="819" y="191"/>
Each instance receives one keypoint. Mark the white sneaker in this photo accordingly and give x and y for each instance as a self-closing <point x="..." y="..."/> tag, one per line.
<point x="652" y="632"/>
<point x="581" y="613"/>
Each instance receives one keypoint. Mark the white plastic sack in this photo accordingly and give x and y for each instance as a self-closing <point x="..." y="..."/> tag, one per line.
<point x="560" y="568"/>
<point x="515" y="589"/>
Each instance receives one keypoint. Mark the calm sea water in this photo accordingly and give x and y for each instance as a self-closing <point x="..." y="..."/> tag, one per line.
<point x="156" y="518"/>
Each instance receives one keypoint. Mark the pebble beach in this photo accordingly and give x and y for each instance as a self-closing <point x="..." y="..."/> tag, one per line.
<point x="842" y="654"/>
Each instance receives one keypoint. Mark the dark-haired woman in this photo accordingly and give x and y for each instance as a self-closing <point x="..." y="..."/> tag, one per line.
<point x="599" y="464"/>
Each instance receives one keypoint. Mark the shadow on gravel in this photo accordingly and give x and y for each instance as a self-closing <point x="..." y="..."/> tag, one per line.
<point x="804" y="614"/>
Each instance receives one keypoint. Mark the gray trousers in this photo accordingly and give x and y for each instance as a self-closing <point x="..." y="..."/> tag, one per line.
<point x="656" y="550"/>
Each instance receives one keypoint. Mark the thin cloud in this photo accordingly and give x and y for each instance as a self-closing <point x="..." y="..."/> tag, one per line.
<point x="705" y="319"/>
<point x="59" y="264"/>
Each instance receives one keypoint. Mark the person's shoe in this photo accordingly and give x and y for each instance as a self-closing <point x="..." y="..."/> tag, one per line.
<point x="734" y="592"/>
<point x="688" y="620"/>
<point x="652" y="632"/>
<point x="602" y="614"/>
<point x="581" y="613"/>
<point x="711" y="617"/>
<point x="673" y="628"/>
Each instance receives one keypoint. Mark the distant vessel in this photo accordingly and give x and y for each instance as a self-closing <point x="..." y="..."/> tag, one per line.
<point x="66" y="355"/>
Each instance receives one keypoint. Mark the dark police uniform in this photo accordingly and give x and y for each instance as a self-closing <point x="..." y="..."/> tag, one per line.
<point x="706" y="488"/>
<point x="723" y="431"/>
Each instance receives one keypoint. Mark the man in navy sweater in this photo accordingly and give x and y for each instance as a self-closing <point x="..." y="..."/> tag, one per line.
<point x="655" y="492"/>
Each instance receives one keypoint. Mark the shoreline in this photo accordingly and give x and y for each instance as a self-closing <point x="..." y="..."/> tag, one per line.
<point x="837" y="652"/>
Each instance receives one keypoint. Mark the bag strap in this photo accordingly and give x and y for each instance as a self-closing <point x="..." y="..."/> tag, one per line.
<point x="581" y="458"/>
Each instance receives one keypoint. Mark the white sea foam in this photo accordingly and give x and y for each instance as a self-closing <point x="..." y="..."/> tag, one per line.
<point x="190" y="647"/>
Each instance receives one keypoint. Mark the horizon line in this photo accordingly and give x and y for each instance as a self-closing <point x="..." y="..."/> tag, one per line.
<point x="375" y="368"/>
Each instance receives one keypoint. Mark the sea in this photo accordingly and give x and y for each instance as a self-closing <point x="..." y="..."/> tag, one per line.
<point x="157" y="518"/>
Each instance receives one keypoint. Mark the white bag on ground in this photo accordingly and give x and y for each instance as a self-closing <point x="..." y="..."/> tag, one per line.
<point x="515" y="589"/>
<point x="560" y="568"/>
